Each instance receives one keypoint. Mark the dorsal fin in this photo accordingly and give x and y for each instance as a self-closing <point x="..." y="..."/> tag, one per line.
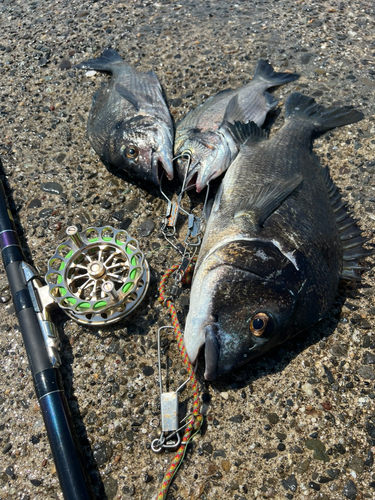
<point x="248" y="133"/>
<point x="350" y="233"/>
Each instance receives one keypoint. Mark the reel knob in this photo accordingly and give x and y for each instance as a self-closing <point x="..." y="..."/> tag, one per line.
<point x="98" y="276"/>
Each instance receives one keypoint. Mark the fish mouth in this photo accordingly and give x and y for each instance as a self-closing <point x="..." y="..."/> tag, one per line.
<point x="196" y="179"/>
<point x="191" y="178"/>
<point x="161" y="163"/>
<point x="203" y="181"/>
<point x="191" y="181"/>
<point x="211" y="351"/>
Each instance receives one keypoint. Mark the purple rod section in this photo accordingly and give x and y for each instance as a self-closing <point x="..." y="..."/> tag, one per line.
<point x="7" y="239"/>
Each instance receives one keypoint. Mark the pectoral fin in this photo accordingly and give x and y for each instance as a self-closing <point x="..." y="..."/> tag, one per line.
<point x="233" y="111"/>
<point x="128" y="95"/>
<point x="266" y="199"/>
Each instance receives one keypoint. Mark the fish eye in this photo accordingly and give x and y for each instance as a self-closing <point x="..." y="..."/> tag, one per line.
<point x="261" y="323"/>
<point x="131" y="151"/>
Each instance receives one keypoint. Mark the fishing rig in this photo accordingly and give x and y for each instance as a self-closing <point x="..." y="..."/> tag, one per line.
<point x="194" y="233"/>
<point x="170" y="426"/>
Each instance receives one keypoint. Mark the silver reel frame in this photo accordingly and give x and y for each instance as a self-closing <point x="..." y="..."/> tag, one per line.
<point x="98" y="276"/>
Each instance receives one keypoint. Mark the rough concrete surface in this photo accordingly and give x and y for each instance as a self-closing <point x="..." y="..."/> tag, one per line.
<point x="297" y="423"/>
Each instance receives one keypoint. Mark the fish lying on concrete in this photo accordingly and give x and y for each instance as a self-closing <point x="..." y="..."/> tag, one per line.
<point x="213" y="132"/>
<point x="129" y="124"/>
<point x="277" y="242"/>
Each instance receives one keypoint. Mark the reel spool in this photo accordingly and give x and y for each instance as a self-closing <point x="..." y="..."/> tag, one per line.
<point x="98" y="276"/>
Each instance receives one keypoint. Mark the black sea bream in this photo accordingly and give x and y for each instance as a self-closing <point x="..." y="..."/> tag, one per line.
<point x="213" y="132"/>
<point x="277" y="242"/>
<point x="129" y="124"/>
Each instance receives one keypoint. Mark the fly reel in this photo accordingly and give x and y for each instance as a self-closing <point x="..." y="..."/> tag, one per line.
<point x="98" y="276"/>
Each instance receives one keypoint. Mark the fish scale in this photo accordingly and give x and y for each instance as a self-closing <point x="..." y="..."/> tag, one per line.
<point x="277" y="242"/>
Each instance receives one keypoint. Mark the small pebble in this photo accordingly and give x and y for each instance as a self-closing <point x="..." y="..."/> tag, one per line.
<point x="369" y="462"/>
<point x="350" y="490"/>
<point x="303" y="466"/>
<point x="106" y="204"/>
<point x="370" y="429"/>
<point x="356" y="464"/>
<point x="130" y="490"/>
<point x="366" y="372"/>
<point x="10" y="471"/>
<point x="237" y="419"/>
<point x="35" y="482"/>
<point x="324" y="479"/>
<point x="339" y="350"/>
<point x="319" y="449"/>
<point x="102" y="453"/>
<point x="329" y="375"/>
<point x="369" y="358"/>
<point x="52" y="187"/>
<point x="46" y="212"/>
<point x="207" y="447"/>
<point x="281" y="436"/>
<point x="219" y="453"/>
<point x="314" y="486"/>
<point x="225" y="465"/>
<point x="36" y="203"/>
<point x="333" y="473"/>
<point x="125" y="224"/>
<point x="7" y="448"/>
<point x="146" y="228"/>
<point x="77" y="196"/>
<point x="119" y="215"/>
<point x="148" y="371"/>
<point x="65" y="64"/>
<point x="269" y="455"/>
<point x="110" y="487"/>
<point x="290" y="483"/>
<point x="308" y="389"/>
<point x="273" y="418"/>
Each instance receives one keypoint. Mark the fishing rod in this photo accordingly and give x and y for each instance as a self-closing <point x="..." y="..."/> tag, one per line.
<point x="41" y="343"/>
<point x="97" y="276"/>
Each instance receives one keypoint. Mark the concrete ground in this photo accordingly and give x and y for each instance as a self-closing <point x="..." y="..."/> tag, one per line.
<point x="297" y="423"/>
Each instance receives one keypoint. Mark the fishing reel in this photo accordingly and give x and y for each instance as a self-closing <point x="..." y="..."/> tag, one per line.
<point x="98" y="276"/>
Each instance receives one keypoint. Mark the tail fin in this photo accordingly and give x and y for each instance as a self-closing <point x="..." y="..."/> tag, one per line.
<point x="265" y="71"/>
<point x="299" y="106"/>
<point x="103" y="63"/>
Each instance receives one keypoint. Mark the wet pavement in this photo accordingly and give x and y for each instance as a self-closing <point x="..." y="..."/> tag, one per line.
<point x="299" y="422"/>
